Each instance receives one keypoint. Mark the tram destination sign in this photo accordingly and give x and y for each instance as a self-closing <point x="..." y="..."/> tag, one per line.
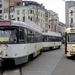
<point x="5" y="23"/>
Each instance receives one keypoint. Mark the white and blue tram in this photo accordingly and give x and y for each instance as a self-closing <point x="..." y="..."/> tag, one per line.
<point x="19" y="41"/>
<point x="51" y="40"/>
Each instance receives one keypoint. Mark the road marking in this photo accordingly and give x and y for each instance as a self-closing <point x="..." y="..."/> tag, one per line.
<point x="54" y="66"/>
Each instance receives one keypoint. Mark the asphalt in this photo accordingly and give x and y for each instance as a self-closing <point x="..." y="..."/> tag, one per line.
<point x="66" y="66"/>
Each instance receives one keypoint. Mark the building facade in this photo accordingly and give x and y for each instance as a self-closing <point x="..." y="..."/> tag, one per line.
<point x="68" y="4"/>
<point x="12" y="13"/>
<point x="53" y="20"/>
<point x="46" y="20"/>
<point x="61" y="28"/>
<point x="31" y="10"/>
<point x="4" y="4"/>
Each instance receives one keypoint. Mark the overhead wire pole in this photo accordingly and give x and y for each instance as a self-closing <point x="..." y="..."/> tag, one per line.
<point x="9" y="10"/>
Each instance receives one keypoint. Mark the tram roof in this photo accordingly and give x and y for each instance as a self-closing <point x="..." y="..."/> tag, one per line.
<point x="52" y="34"/>
<point x="70" y="29"/>
<point x="26" y="25"/>
<point x="23" y="24"/>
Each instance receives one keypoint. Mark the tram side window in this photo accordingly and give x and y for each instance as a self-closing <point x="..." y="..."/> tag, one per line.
<point x="52" y="38"/>
<point x="45" y="38"/>
<point x="25" y="31"/>
<point x="38" y="37"/>
<point x="13" y="36"/>
<point x="49" y="38"/>
<point x="30" y="36"/>
<point x="21" y="36"/>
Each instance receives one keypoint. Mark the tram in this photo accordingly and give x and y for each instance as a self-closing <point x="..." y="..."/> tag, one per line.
<point x="70" y="41"/>
<point x="51" y="40"/>
<point x="19" y="42"/>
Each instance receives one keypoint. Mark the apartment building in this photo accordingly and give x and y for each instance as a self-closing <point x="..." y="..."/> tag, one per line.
<point x="5" y="4"/>
<point x="53" y="20"/>
<point x="31" y="10"/>
<point x="61" y="28"/>
<point x="71" y="16"/>
<point x="2" y="6"/>
<point x="68" y="4"/>
<point x="6" y="14"/>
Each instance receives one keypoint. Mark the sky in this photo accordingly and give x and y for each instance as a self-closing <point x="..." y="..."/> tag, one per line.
<point x="57" y="6"/>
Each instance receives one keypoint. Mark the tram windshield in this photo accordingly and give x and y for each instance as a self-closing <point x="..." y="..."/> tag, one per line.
<point x="8" y="35"/>
<point x="71" y="37"/>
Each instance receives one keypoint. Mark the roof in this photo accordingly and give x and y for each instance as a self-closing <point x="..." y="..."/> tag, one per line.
<point x="52" y="12"/>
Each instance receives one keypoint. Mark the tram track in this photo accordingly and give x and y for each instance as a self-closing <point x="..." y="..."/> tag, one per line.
<point x="16" y="71"/>
<point x="1" y="71"/>
<point x="21" y="71"/>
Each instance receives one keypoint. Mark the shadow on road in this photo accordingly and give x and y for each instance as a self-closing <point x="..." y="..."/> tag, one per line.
<point x="72" y="58"/>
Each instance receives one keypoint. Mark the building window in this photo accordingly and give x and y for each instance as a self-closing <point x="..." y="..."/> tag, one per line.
<point x="31" y="18"/>
<point x="23" y="18"/>
<point x="41" y="20"/>
<point x="5" y="16"/>
<point x="0" y="11"/>
<point x="0" y="16"/>
<point x="18" y="12"/>
<point x="31" y="11"/>
<point x="71" y="20"/>
<point x="28" y="11"/>
<point x="0" y="5"/>
<point x="18" y="18"/>
<point x="71" y="12"/>
<point x="23" y="11"/>
<point x="41" y="14"/>
<point x="28" y="17"/>
<point x="23" y="4"/>
<point x="12" y="15"/>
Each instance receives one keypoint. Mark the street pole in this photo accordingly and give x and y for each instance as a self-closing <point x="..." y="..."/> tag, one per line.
<point x="9" y="10"/>
<point x="37" y="15"/>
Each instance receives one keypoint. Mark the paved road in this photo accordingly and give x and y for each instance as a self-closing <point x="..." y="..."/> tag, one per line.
<point x="44" y="64"/>
<point x="49" y="63"/>
<point x="64" y="67"/>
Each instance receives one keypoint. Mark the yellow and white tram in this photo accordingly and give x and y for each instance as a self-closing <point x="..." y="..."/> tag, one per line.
<point x="51" y="40"/>
<point x="70" y="41"/>
<point x="19" y="41"/>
